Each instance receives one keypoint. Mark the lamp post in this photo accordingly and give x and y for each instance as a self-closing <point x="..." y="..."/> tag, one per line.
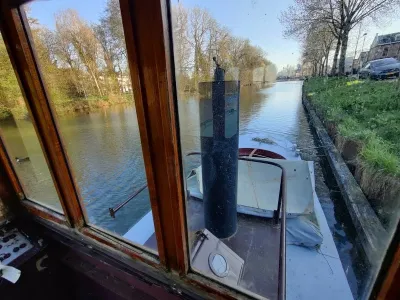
<point x="358" y="38"/>
<point x="362" y="49"/>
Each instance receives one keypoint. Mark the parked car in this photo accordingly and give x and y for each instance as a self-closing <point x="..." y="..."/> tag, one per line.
<point x="381" y="69"/>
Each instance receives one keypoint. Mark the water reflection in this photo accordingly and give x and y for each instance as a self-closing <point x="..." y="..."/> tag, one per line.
<point x="106" y="156"/>
<point x="271" y="112"/>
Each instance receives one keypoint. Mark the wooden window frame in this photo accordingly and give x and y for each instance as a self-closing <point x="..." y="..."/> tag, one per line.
<point x="148" y="37"/>
<point x="20" y="47"/>
<point x="24" y="62"/>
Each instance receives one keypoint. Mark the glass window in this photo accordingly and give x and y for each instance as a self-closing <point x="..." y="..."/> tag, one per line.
<point x="81" y="51"/>
<point x="385" y="51"/>
<point x="253" y="78"/>
<point x="233" y="237"/>
<point x="21" y="141"/>
<point x="382" y="62"/>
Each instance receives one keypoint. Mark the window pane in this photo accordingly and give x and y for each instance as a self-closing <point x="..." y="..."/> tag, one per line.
<point x="21" y="141"/>
<point x="240" y="73"/>
<point x="81" y="51"/>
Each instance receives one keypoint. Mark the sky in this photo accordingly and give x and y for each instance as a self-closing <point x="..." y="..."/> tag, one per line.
<point x="257" y="20"/>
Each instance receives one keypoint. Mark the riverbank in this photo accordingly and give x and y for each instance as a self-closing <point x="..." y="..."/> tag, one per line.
<point x="363" y="120"/>
<point x="69" y="106"/>
<point x="92" y="103"/>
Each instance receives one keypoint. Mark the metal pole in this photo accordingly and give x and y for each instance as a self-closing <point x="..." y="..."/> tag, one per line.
<point x="113" y="210"/>
<point x="358" y="38"/>
<point x="362" y="49"/>
<point x="355" y="51"/>
<point x="360" y="63"/>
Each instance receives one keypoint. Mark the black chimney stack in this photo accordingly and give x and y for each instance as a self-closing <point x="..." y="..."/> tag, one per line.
<point x="219" y="117"/>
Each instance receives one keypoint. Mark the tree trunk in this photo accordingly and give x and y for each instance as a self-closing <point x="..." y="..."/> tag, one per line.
<point x="93" y="75"/>
<point x="98" y="86"/>
<point x="326" y="64"/>
<point x="322" y="67"/>
<point x="342" y="61"/>
<point x="335" y="57"/>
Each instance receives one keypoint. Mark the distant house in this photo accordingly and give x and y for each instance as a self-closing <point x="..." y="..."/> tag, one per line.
<point x="383" y="46"/>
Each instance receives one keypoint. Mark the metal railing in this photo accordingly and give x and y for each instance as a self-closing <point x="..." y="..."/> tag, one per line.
<point x="280" y="211"/>
<point x="113" y="210"/>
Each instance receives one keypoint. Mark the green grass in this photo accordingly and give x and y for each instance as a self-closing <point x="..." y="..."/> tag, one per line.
<point x="365" y="111"/>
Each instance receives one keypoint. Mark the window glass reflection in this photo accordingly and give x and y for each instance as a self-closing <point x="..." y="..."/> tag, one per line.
<point x="81" y="51"/>
<point x="21" y="141"/>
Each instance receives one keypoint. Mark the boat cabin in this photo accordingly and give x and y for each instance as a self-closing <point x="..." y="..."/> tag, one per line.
<point x="213" y="215"/>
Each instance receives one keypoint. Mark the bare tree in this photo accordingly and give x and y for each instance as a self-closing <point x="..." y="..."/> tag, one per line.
<point x="198" y="37"/>
<point x="73" y="30"/>
<point x="182" y="47"/>
<point x="306" y="16"/>
<point x="355" y="11"/>
<point x="111" y="38"/>
<point x="199" y="26"/>
<point x="340" y="16"/>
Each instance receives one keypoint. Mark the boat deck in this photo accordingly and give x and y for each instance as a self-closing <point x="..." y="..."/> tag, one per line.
<point x="310" y="272"/>
<point x="256" y="242"/>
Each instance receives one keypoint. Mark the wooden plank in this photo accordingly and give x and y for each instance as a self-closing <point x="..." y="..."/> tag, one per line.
<point x="16" y="35"/>
<point x="114" y="243"/>
<point x="147" y="37"/>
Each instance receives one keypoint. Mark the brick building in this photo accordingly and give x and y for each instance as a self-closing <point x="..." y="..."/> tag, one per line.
<point x="383" y="46"/>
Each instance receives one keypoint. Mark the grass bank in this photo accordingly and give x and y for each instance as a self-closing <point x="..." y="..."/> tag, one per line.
<point x="363" y="118"/>
<point x="91" y="103"/>
<point x="68" y="106"/>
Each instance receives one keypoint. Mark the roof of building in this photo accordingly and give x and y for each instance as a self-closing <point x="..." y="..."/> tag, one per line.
<point x="388" y="38"/>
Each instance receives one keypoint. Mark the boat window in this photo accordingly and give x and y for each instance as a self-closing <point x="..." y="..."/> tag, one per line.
<point x="80" y="48"/>
<point x="290" y="158"/>
<point x="223" y="85"/>
<point x="252" y="81"/>
<point x="20" y="139"/>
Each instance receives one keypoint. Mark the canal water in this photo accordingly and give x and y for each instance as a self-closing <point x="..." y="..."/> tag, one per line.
<point x="104" y="150"/>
